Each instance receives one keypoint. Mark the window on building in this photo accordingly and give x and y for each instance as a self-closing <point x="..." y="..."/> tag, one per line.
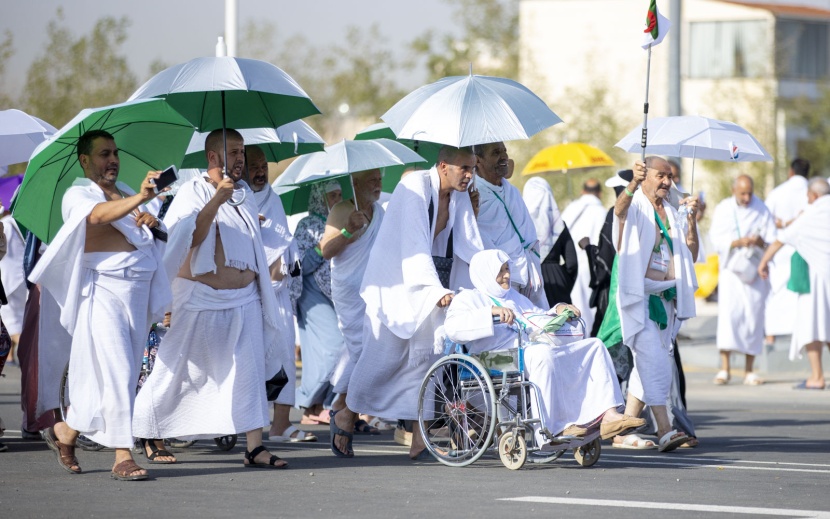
<point x="802" y="49"/>
<point x="729" y="49"/>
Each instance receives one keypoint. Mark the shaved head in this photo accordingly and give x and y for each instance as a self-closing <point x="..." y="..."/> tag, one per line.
<point x="742" y="187"/>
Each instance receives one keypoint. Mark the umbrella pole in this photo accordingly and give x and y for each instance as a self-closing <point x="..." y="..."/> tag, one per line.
<point x="224" y="137"/>
<point x="692" y="186"/>
<point x="644" y="138"/>
<point x="354" y="194"/>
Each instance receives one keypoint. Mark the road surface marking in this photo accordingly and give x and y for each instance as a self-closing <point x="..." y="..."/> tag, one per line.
<point x="672" y="506"/>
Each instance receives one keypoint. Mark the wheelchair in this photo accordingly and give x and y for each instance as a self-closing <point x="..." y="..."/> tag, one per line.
<point x="469" y="404"/>
<point x="224" y="443"/>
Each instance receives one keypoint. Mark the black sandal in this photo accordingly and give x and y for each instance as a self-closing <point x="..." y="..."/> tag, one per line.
<point x="155" y="452"/>
<point x="272" y="463"/>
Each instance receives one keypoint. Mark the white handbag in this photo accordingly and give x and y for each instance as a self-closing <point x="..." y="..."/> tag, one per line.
<point x="743" y="262"/>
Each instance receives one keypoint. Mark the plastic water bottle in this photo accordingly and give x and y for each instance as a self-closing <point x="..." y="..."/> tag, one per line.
<point x="682" y="220"/>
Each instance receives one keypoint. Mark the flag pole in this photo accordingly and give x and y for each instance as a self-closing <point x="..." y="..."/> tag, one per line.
<point x="644" y="138"/>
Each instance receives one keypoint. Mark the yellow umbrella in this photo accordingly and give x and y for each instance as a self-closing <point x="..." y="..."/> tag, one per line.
<point x="563" y="157"/>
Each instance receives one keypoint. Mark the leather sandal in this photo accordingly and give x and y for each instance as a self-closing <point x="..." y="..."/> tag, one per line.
<point x="65" y="453"/>
<point x="272" y="462"/>
<point x="124" y="471"/>
<point x="155" y="452"/>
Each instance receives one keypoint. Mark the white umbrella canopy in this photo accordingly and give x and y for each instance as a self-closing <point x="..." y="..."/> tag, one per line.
<point x="289" y="140"/>
<point x="20" y="134"/>
<point x="467" y="110"/>
<point x="348" y="157"/>
<point x="696" y="137"/>
<point x="229" y="92"/>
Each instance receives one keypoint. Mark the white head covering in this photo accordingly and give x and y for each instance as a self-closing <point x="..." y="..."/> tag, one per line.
<point x="541" y="204"/>
<point x="484" y="267"/>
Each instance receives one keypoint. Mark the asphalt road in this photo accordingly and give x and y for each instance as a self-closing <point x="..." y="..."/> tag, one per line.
<point x="764" y="452"/>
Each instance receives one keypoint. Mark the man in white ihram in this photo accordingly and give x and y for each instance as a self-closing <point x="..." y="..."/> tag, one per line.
<point x="742" y="226"/>
<point x="584" y="218"/>
<point x="505" y="223"/>
<point x="210" y="372"/>
<point x="280" y="252"/>
<point x="351" y="229"/>
<point x="105" y="272"/>
<point x="656" y="289"/>
<point x="429" y="214"/>
<point x="785" y="202"/>
<point x="809" y="235"/>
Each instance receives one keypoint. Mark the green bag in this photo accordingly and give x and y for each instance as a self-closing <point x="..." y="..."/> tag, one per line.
<point x="799" y="275"/>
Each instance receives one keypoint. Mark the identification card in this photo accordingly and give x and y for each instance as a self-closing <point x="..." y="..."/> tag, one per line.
<point x="660" y="260"/>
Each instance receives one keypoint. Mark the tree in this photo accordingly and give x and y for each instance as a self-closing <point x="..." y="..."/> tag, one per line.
<point x="488" y="39"/>
<point x="76" y="73"/>
<point x="811" y="115"/>
<point x="6" y="52"/>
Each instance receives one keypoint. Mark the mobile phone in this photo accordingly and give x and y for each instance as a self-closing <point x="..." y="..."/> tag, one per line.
<point x="167" y="177"/>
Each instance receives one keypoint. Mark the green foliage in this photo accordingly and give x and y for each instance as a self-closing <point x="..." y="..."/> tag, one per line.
<point x="487" y="36"/>
<point x="6" y="52"/>
<point x="591" y="115"/>
<point x="812" y="115"/>
<point x="74" y="73"/>
<point x="359" y="72"/>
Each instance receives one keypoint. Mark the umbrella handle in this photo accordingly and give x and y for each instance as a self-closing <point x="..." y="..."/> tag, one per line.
<point x="234" y="203"/>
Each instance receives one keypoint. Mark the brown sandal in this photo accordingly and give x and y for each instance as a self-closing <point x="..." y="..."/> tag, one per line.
<point x="65" y="453"/>
<point x="124" y="471"/>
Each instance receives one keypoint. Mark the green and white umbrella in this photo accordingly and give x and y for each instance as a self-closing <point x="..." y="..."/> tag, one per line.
<point x="392" y="174"/>
<point x="289" y="140"/>
<point x="150" y="135"/>
<point x="229" y="92"/>
<point x="338" y="162"/>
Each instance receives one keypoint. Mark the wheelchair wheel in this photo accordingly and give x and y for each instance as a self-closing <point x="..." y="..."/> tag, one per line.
<point x="513" y="449"/>
<point x="457" y="410"/>
<point x="588" y="454"/>
<point x="226" y="443"/>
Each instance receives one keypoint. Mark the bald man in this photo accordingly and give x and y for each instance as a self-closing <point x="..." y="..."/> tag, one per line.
<point x="585" y="217"/>
<point x="742" y="226"/>
<point x="808" y="235"/>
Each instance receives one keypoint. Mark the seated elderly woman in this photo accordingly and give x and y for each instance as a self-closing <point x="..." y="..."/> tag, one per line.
<point x="577" y="383"/>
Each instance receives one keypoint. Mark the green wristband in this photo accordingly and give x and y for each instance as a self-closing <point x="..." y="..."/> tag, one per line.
<point x="318" y="251"/>
<point x="629" y="193"/>
<point x="346" y="233"/>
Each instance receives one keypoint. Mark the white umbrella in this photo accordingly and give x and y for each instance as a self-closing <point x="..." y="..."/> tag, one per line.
<point x="696" y="137"/>
<point x="348" y="157"/>
<point x="289" y="140"/>
<point x="467" y="110"/>
<point x="20" y="134"/>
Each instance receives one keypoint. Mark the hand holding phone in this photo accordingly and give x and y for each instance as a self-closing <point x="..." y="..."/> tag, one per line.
<point x="167" y="177"/>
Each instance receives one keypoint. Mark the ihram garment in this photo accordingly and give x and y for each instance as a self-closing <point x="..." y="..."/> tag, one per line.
<point x="210" y="372"/>
<point x="505" y="224"/>
<point x="650" y="345"/>
<point x="740" y="304"/>
<point x="809" y="235"/>
<point x="278" y="244"/>
<point x="785" y="202"/>
<point x="106" y="300"/>
<point x="320" y="338"/>
<point x="401" y="289"/>
<point x="347" y="269"/>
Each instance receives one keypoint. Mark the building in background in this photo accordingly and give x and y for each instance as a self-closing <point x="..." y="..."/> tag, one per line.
<point x="740" y="61"/>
